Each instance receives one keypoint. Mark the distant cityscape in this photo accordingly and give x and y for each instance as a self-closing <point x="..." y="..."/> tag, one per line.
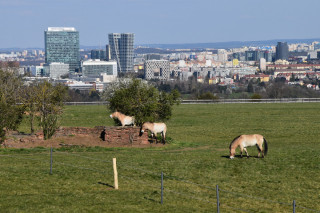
<point x="62" y="60"/>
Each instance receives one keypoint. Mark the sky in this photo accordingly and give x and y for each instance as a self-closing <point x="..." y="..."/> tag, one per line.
<point x="23" y="22"/>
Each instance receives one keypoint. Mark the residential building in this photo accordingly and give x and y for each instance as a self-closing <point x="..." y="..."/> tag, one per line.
<point x="121" y="49"/>
<point x="152" y="57"/>
<point x="157" y="69"/>
<point x="62" y="45"/>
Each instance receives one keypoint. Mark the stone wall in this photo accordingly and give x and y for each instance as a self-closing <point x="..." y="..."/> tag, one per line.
<point x="114" y="135"/>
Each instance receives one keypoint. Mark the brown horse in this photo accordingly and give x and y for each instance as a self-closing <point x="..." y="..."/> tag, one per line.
<point x="155" y="128"/>
<point x="125" y="120"/>
<point x="248" y="140"/>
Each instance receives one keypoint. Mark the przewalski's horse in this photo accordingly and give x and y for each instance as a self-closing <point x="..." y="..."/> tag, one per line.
<point x="155" y="128"/>
<point x="248" y="140"/>
<point x="124" y="119"/>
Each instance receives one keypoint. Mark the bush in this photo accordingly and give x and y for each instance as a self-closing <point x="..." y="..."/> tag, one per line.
<point x="256" y="96"/>
<point x="207" y="96"/>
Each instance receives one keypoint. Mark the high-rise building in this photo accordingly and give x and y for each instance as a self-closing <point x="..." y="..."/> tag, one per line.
<point x="99" y="54"/>
<point x="282" y="51"/>
<point x="62" y="45"/>
<point x="121" y="48"/>
<point x="252" y="55"/>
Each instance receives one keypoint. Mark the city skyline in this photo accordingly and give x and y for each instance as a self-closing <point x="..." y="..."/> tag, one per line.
<point x="158" y="22"/>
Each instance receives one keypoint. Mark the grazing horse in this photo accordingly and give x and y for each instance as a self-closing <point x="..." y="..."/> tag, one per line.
<point x="248" y="140"/>
<point x="125" y="120"/>
<point x="155" y="128"/>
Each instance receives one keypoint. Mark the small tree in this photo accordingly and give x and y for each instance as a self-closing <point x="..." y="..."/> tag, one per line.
<point x="49" y="102"/>
<point x="141" y="100"/>
<point x="10" y="110"/>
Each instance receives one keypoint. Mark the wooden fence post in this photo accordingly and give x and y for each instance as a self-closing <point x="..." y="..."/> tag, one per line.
<point x="115" y="172"/>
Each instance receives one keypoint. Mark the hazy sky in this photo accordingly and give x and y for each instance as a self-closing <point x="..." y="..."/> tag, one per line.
<point x="159" y="21"/>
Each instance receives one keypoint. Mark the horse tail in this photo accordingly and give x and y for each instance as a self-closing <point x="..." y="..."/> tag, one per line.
<point x="265" y="146"/>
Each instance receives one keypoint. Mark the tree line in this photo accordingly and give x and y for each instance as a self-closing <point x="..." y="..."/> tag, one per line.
<point x="43" y="102"/>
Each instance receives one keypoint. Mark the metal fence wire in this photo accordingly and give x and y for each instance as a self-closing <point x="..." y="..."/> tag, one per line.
<point x="155" y="185"/>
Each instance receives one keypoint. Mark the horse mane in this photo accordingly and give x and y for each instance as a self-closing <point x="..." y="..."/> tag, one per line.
<point x="234" y="141"/>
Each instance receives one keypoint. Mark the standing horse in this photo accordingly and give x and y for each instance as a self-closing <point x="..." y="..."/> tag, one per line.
<point x="248" y="140"/>
<point x="125" y="120"/>
<point x="155" y="128"/>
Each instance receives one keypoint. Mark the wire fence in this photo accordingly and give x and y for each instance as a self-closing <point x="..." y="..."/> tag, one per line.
<point x="223" y="101"/>
<point x="172" y="185"/>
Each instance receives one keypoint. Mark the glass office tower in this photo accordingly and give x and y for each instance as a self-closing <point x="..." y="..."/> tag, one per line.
<point x="62" y="45"/>
<point x="121" y="48"/>
<point x="282" y="51"/>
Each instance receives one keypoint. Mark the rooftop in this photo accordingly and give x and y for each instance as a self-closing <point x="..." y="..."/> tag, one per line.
<point x="59" y="29"/>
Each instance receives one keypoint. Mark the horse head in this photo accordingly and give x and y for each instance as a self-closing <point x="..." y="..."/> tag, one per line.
<point x="232" y="153"/>
<point x="143" y="128"/>
<point x="232" y="148"/>
<point x="114" y="115"/>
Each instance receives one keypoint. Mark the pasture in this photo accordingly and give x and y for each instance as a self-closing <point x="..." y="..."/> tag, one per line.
<point x="193" y="163"/>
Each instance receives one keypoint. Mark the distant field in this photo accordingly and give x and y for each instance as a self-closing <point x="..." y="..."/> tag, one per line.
<point x="193" y="163"/>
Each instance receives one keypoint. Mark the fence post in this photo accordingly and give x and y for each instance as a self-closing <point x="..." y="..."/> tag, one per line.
<point x="51" y="161"/>
<point x="218" y="202"/>
<point x="294" y="206"/>
<point x="161" y="187"/>
<point x="115" y="173"/>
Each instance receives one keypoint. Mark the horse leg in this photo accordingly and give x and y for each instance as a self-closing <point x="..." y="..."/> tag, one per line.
<point x="245" y="149"/>
<point x="261" y="150"/>
<point x="155" y="135"/>
<point x="241" y="150"/>
<point x="163" y="135"/>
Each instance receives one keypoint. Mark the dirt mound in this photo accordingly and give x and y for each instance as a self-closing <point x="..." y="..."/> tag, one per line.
<point x="83" y="137"/>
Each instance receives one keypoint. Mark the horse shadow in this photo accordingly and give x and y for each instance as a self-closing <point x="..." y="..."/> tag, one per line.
<point x="239" y="156"/>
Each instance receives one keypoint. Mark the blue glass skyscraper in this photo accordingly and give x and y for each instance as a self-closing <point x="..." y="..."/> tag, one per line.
<point x="282" y="51"/>
<point x="62" y="45"/>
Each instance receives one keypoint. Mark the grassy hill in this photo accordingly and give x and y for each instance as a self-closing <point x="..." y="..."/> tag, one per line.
<point x="193" y="163"/>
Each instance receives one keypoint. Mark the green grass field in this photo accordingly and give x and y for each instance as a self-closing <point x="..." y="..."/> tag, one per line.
<point x="193" y="163"/>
